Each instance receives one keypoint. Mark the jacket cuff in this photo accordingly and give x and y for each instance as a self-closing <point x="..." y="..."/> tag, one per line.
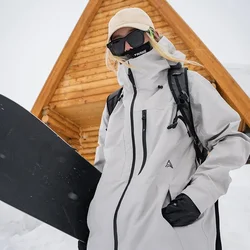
<point x="200" y="196"/>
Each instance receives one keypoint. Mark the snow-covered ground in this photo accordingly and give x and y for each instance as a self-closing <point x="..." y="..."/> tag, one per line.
<point x="19" y="231"/>
<point x="235" y="211"/>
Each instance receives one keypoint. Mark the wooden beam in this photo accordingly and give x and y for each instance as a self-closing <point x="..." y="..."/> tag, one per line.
<point x="83" y="73"/>
<point x="63" y="120"/>
<point x="74" y="141"/>
<point x="109" y="2"/>
<point x="59" y="127"/>
<point x="181" y="46"/>
<point x="85" y="66"/>
<point x="227" y="86"/>
<point x="99" y="21"/>
<point x="75" y="146"/>
<point x="90" y="145"/>
<point x="87" y="151"/>
<point x="115" y="6"/>
<point x="99" y="44"/>
<point x="86" y="86"/>
<point x="89" y="59"/>
<point x="85" y="134"/>
<point x="89" y="158"/>
<point x="84" y="93"/>
<point x="66" y="56"/>
<point x="90" y="53"/>
<point x="242" y="126"/>
<point x="79" y="101"/>
<point x="91" y="162"/>
<point x="64" y="137"/>
<point x="111" y="11"/>
<point x="89" y="129"/>
<point x="85" y="80"/>
<point x="90" y="139"/>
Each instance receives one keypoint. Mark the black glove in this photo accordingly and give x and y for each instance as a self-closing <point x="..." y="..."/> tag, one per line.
<point x="82" y="245"/>
<point x="181" y="211"/>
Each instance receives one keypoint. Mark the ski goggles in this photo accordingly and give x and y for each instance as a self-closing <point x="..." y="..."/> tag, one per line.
<point x="134" y="39"/>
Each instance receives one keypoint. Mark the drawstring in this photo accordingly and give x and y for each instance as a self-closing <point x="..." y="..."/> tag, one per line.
<point x="174" y="123"/>
<point x="182" y="103"/>
<point x="175" y="120"/>
<point x="120" y="97"/>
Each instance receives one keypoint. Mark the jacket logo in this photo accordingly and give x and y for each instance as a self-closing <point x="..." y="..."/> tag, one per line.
<point x="169" y="164"/>
<point x="140" y="53"/>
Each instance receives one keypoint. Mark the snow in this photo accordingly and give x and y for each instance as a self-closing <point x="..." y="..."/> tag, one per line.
<point x="235" y="211"/>
<point x="19" y="231"/>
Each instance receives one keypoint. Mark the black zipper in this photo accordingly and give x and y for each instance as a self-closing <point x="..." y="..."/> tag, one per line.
<point x="131" y="78"/>
<point x="144" y="143"/>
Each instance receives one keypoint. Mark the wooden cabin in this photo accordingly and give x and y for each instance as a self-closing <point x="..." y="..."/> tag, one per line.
<point x="73" y="97"/>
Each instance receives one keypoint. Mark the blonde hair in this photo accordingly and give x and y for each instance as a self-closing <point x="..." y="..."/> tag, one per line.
<point x="112" y="61"/>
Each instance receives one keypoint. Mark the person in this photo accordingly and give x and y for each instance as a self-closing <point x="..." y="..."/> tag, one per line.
<point x="152" y="195"/>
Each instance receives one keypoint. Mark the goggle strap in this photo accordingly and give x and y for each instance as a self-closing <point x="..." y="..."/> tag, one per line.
<point x="151" y="33"/>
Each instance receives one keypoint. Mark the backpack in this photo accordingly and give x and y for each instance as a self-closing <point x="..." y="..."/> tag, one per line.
<point x="178" y="84"/>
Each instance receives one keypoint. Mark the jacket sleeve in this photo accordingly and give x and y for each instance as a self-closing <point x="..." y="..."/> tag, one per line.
<point x="216" y="125"/>
<point x="99" y="154"/>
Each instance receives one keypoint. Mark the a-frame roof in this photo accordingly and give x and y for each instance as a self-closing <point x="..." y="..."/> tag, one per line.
<point x="79" y="83"/>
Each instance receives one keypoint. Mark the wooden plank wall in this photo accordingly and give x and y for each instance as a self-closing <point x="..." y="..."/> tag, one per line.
<point x="84" y="141"/>
<point x="88" y="141"/>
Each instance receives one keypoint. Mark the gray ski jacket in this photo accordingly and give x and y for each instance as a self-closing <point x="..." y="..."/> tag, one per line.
<point x="135" y="147"/>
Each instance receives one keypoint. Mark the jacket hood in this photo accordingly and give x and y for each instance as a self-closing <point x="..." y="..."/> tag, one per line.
<point x="150" y="69"/>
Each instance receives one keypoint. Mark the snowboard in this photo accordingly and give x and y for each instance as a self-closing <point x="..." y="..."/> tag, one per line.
<point x="42" y="175"/>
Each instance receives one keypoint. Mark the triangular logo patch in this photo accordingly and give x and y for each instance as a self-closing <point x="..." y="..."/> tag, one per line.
<point x="169" y="164"/>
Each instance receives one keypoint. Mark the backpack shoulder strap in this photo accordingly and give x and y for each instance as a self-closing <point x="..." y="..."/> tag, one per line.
<point x="178" y="84"/>
<point x="112" y="100"/>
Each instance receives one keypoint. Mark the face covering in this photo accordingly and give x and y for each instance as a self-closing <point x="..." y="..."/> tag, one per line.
<point x="136" y="52"/>
<point x="149" y="69"/>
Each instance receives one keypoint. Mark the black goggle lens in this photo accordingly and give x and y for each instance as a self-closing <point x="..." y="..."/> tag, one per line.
<point x="134" y="39"/>
<point x="117" y="47"/>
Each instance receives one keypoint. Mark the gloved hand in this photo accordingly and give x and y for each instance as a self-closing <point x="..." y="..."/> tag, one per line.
<point x="181" y="211"/>
<point x="82" y="245"/>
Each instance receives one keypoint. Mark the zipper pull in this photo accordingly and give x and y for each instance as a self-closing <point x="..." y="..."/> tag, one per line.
<point x="131" y="77"/>
<point x="144" y="118"/>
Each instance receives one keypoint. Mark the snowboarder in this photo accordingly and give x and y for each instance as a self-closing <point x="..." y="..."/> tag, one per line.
<point x="153" y="194"/>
